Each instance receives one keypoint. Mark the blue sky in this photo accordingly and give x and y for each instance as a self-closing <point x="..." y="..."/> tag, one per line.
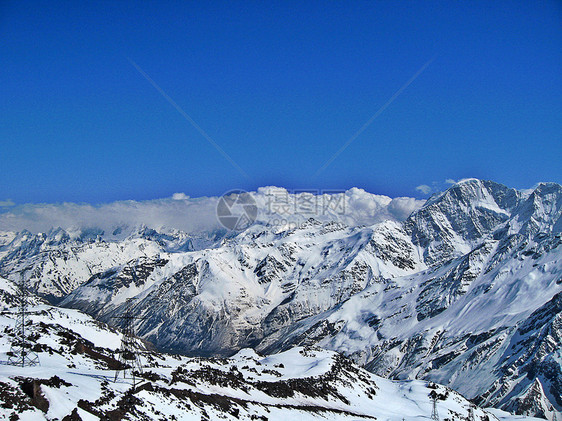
<point x="279" y="88"/>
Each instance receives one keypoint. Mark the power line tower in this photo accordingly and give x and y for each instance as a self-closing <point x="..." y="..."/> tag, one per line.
<point x="20" y="350"/>
<point x="434" y="413"/>
<point x="129" y="356"/>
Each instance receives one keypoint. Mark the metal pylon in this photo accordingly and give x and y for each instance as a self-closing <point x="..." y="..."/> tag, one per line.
<point x="20" y="350"/>
<point x="434" y="413"/>
<point x="128" y="352"/>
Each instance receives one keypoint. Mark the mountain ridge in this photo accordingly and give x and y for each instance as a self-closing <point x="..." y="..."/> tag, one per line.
<point x="79" y="360"/>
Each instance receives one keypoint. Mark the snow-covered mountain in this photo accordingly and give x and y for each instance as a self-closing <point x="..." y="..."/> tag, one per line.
<point x="55" y="263"/>
<point x="57" y="247"/>
<point x="78" y="357"/>
<point x="465" y="291"/>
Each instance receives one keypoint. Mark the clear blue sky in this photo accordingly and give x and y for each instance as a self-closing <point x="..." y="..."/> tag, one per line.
<point x="280" y="87"/>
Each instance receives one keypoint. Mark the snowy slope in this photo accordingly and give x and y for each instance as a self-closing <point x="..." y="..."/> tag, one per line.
<point x="234" y="296"/>
<point x="76" y="382"/>
<point x="56" y="263"/>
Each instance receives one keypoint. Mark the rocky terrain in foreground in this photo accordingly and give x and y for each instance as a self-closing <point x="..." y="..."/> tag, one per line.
<point x="78" y="361"/>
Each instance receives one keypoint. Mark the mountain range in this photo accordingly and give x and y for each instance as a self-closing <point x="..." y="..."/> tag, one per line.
<point x="464" y="291"/>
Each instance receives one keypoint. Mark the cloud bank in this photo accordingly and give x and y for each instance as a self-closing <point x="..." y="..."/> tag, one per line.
<point x="197" y="215"/>
<point x="6" y="203"/>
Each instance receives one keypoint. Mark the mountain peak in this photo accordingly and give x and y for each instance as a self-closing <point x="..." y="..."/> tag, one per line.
<point x="451" y="223"/>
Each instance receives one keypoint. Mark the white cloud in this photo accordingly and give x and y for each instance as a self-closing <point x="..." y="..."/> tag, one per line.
<point x="451" y="181"/>
<point x="7" y="203"/>
<point x="180" y="196"/>
<point x="424" y="189"/>
<point x="185" y="215"/>
<point x="402" y="207"/>
<point x="462" y="180"/>
<point x="195" y="215"/>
